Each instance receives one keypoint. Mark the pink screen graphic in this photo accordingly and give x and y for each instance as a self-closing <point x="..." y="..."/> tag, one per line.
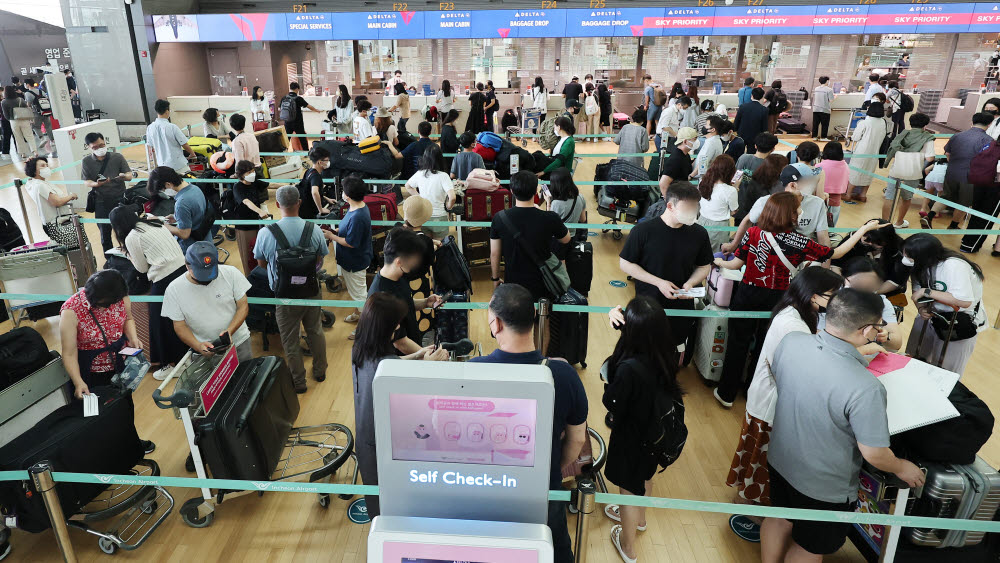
<point x="398" y="552"/>
<point x="462" y="429"/>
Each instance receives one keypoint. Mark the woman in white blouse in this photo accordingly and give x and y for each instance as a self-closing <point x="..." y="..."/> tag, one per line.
<point x="540" y="98"/>
<point x="444" y="101"/>
<point x="718" y="199"/>
<point x="434" y="184"/>
<point x="345" y="111"/>
<point x="50" y="200"/>
<point x="153" y="251"/>
<point x="260" y="109"/>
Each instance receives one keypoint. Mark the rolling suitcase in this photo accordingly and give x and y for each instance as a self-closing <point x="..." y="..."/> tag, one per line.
<point x="260" y="318"/>
<point x="568" y="331"/>
<point x="619" y="170"/>
<point x="103" y="444"/>
<point x="482" y="206"/>
<point x="580" y="265"/>
<point x="476" y="245"/>
<point x="710" y="345"/>
<point x="600" y="174"/>
<point x="721" y="283"/>
<point x="244" y="434"/>
<point x="792" y="126"/>
<point x="452" y="324"/>
<point x="205" y="146"/>
<point x="955" y="491"/>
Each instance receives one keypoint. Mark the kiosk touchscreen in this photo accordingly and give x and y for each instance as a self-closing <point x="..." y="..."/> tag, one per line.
<point x="463" y="440"/>
<point x="400" y="539"/>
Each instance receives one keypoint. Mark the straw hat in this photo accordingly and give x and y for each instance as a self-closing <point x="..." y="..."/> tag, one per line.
<point x="382" y="112"/>
<point x="417" y="210"/>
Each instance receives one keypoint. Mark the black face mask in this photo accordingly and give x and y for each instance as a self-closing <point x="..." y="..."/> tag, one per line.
<point x="704" y="130"/>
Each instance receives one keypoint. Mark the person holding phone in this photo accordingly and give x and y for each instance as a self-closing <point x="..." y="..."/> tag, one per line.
<point x="209" y="303"/>
<point x="104" y="173"/>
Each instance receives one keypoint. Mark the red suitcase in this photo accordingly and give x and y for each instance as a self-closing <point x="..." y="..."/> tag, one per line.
<point x="482" y="205"/>
<point x="381" y="206"/>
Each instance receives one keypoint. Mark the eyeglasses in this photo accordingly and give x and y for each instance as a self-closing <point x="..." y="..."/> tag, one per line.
<point x="876" y="326"/>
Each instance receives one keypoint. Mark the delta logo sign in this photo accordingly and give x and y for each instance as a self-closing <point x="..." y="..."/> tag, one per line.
<point x="389" y="20"/>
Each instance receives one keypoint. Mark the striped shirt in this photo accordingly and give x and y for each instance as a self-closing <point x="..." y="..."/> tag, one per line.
<point x="153" y="251"/>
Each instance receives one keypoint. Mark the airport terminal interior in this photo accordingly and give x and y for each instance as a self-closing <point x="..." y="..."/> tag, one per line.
<point x="535" y="92"/>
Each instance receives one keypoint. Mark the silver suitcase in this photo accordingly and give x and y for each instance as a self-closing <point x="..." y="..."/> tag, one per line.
<point x="710" y="344"/>
<point x="970" y="492"/>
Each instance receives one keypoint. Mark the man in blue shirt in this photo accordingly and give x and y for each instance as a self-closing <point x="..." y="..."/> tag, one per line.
<point x="189" y="206"/>
<point x="415" y="150"/>
<point x="511" y="317"/>
<point x="743" y="96"/>
<point x="354" y="243"/>
<point x="168" y="143"/>
<point x="289" y="317"/>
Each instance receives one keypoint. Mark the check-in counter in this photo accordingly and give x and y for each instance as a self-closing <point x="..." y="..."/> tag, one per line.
<point x="960" y="117"/>
<point x="842" y="109"/>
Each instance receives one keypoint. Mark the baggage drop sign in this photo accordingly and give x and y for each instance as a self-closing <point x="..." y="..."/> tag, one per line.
<point x="212" y="389"/>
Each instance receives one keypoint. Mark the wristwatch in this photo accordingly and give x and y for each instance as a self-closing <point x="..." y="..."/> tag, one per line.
<point x="494" y="279"/>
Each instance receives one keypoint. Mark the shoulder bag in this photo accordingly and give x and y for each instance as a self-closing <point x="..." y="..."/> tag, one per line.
<point x="554" y="274"/>
<point x="792" y="270"/>
<point x="92" y="194"/>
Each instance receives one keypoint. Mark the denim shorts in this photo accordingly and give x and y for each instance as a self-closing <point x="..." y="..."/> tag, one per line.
<point x="905" y="194"/>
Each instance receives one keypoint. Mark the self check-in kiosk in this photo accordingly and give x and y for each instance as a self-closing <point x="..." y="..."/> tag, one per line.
<point x="464" y="454"/>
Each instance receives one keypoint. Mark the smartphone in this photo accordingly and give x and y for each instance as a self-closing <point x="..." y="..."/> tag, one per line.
<point x="128" y="351"/>
<point x="445" y="298"/>
<point x="225" y="340"/>
<point x="545" y="190"/>
<point x="737" y="178"/>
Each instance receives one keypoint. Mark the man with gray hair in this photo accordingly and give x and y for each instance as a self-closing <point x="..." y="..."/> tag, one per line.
<point x="831" y="413"/>
<point x="304" y="237"/>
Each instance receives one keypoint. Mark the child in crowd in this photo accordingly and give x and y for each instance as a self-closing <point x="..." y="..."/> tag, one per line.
<point x="467" y="160"/>
<point x="934" y="181"/>
<point x="835" y="181"/>
<point x="633" y="138"/>
<point x="362" y="126"/>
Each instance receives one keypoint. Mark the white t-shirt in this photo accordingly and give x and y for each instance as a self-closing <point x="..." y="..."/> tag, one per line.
<point x="809" y="177"/>
<point x="722" y="205"/>
<point x="763" y="394"/>
<point x="208" y="309"/>
<point x="434" y="188"/>
<point x="362" y="129"/>
<point x="710" y="148"/>
<point x="391" y="134"/>
<point x="444" y="103"/>
<point x="39" y="191"/>
<point x="539" y="99"/>
<point x="957" y="277"/>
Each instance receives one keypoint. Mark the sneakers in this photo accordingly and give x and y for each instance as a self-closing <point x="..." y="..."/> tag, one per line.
<point x="301" y="390"/>
<point x="925" y="221"/>
<point x="612" y="512"/>
<point x="745" y="528"/>
<point x="162" y="373"/>
<point x="351" y="336"/>
<point x="148" y="446"/>
<point x="825" y="140"/>
<point x="320" y="379"/>
<point x="723" y="402"/>
<point x="616" y="539"/>
<point x="352" y="318"/>
<point x="902" y="225"/>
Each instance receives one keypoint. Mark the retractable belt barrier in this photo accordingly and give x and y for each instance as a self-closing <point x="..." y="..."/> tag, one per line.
<point x="604" y="498"/>
<point x="70" y="165"/>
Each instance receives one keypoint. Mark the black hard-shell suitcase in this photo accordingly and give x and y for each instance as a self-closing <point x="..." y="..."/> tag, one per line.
<point x="452" y="324"/>
<point x="102" y="444"/>
<point x="580" y="265"/>
<point x="22" y="352"/>
<point x="245" y="432"/>
<point x="600" y="175"/>
<point x="792" y="126"/>
<point x="619" y="170"/>
<point x="261" y="318"/>
<point x="568" y="331"/>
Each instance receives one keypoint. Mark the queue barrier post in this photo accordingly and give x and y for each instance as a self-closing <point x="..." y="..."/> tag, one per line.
<point x="585" y="504"/>
<point x="24" y="210"/>
<point x="895" y="199"/>
<point x="41" y="475"/>
<point x="544" y="310"/>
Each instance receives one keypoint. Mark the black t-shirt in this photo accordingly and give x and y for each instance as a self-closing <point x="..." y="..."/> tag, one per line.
<point x="667" y="253"/>
<point x="491" y="96"/>
<point x="678" y="166"/>
<point x="537" y="229"/>
<point x="572" y="91"/>
<point x="401" y="289"/>
<point x="893" y="268"/>
<point x="308" y="209"/>
<point x="297" y="123"/>
<point x="253" y="192"/>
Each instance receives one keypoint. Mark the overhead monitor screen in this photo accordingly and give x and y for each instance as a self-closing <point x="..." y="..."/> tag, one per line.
<point x="475" y="430"/>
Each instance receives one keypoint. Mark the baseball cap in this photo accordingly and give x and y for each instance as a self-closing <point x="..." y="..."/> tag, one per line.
<point x="686" y="133"/>
<point x="789" y="174"/>
<point x="417" y="210"/>
<point x="203" y="259"/>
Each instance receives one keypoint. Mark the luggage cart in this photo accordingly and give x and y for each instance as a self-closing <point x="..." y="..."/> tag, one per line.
<point x="530" y="119"/>
<point x="842" y="133"/>
<point x="39" y="268"/>
<point x="317" y="451"/>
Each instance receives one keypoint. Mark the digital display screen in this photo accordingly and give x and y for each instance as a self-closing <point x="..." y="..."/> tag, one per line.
<point x="400" y="552"/>
<point x="471" y="430"/>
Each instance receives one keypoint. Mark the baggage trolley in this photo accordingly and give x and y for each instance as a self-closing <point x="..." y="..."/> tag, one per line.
<point x="317" y="451"/>
<point x="530" y="119"/>
<point x="843" y="133"/>
<point x="39" y="268"/>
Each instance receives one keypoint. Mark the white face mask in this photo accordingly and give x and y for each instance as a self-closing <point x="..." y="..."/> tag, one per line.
<point x="907" y="261"/>
<point x="808" y="190"/>
<point x="169" y="192"/>
<point x="45" y="172"/>
<point x="557" y="131"/>
<point x="250" y="177"/>
<point x="99" y="153"/>
<point x="685" y="218"/>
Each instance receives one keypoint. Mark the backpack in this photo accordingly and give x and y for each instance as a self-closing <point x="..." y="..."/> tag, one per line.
<point x="490" y="140"/>
<point x="296" y="264"/>
<point x="451" y="269"/>
<point x="781" y="101"/>
<point x="213" y="210"/>
<point x="666" y="433"/>
<point x="22" y="352"/>
<point x="659" y="96"/>
<point x="137" y="283"/>
<point x="509" y="119"/>
<point x="983" y="167"/>
<point x="905" y="102"/>
<point x="11" y="236"/>
<point x="547" y="138"/>
<point x="590" y="105"/>
<point x="288" y="109"/>
<point x="229" y="205"/>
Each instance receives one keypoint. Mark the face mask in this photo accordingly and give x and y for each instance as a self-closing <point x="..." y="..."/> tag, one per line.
<point x="686" y="218"/>
<point x="906" y="261"/>
<point x="169" y="192"/>
<point x="556" y="131"/>
<point x="808" y="190"/>
<point x="45" y="172"/>
<point x="250" y="177"/>
<point x="99" y="153"/>
<point x="704" y="130"/>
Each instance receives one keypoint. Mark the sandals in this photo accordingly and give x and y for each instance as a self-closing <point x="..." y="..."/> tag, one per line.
<point x="616" y="534"/>
<point x="611" y="511"/>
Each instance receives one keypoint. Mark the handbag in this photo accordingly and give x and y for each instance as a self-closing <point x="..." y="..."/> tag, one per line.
<point x="554" y="274"/>
<point x="259" y="123"/>
<point x="21" y="113"/>
<point x="965" y="325"/>
<point x="62" y="232"/>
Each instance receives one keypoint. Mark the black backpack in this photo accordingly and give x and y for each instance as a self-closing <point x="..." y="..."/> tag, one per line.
<point x="213" y="211"/>
<point x="22" y="352"/>
<point x="296" y="264"/>
<point x="11" y="236"/>
<point x="137" y="283"/>
<point x="230" y="206"/>
<point x="451" y="270"/>
<point x="288" y="110"/>
<point x="666" y="433"/>
<point x="905" y="102"/>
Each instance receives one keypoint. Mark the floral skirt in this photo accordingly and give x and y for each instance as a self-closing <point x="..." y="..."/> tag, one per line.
<point x="748" y="472"/>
